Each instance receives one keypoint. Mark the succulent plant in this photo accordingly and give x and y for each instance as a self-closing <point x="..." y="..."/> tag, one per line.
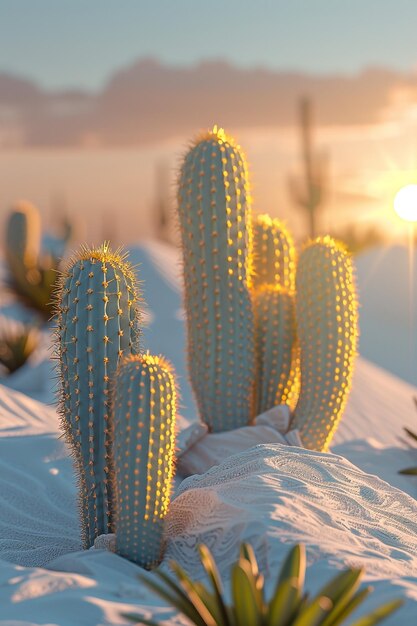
<point x="213" y="208"/>
<point x="97" y="310"/>
<point x="288" y="606"/>
<point x="327" y="330"/>
<point x="17" y="342"/>
<point x="143" y="450"/>
<point x="32" y="272"/>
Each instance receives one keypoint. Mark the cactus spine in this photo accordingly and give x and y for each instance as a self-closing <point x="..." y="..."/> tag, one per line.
<point x="275" y="346"/>
<point x="97" y="325"/>
<point x="144" y="442"/>
<point x="327" y="328"/>
<point x="273" y="254"/>
<point x="214" y="206"/>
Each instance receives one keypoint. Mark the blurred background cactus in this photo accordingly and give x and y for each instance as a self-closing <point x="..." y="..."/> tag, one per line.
<point x="18" y="341"/>
<point x="327" y="330"/>
<point x="214" y="212"/>
<point x="97" y="309"/>
<point x="143" y="446"/>
<point x="309" y="193"/>
<point x="32" y="269"/>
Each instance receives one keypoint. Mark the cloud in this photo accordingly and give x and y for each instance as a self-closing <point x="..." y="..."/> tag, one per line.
<point x="149" y="102"/>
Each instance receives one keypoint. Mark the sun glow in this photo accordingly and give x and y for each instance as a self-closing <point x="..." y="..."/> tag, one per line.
<point x="405" y="203"/>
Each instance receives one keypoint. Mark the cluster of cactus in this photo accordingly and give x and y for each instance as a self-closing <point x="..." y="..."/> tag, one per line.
<point x="32" y="271"/>
<point x="117" y="405"/>
<point x="260" y="331"/>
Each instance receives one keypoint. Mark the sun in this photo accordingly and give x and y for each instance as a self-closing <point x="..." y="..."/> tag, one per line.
<point x="405" y="203"/>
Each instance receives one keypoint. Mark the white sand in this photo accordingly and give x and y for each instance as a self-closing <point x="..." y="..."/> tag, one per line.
<point x="272" y="495"/>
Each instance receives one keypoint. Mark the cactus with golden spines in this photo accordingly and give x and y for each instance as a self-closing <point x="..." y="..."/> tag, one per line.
<point x="327" y="329"/>
<point x="97" y="325"/>
<point x="273" y="254"/>
<point x="275" y="337"/>
<point x="275" y="346"/>
<point x="143" y="447"/>
<point x="213" y="208"/>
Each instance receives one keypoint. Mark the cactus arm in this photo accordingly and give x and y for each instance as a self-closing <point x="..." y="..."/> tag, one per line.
<point x="275" y="346"/>
<point x="273" y="254"/>
<point x="327" y="329"/>
<point x="144" y="443"/>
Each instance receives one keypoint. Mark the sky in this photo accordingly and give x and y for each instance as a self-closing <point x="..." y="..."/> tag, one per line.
<point x="74" y="43"/>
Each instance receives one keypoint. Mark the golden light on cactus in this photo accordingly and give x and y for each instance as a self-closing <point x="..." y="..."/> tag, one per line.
<point x="405" y="203"/>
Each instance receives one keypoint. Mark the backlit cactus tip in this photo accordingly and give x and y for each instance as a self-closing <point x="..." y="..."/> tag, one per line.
<point x="273" y="254"/>
<point x="214" y="211"/>
<point x="327" y="329"/>
<point x="144" y="444"/>
<point x="97" y="312"/>
<point x="275" y="341"/>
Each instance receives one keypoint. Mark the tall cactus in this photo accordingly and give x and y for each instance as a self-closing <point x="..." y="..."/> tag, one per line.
<point x="327" y="328"/>
<point x="214" y="208"/>
<point x="144" y="442"/>
<point x="97" y="324"/>
<point x="275" y="346"/>
<point x="273" y="254"/>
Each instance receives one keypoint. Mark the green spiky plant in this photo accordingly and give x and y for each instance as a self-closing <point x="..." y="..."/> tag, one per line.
<point x="32" y="272"/>
<point x="288" y="606"/>
<point x="213" y="208"/>
<point x="327" y="330"/>
<point x="18" y="341"/>
<point x="144" y="410"/>
<point x="97" y="311"/>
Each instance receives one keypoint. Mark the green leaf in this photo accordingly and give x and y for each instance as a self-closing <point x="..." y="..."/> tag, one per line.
<point x="315" y="612"/>
<point x="410" y="471"/>
<point x="410" y="433"/>
<point x="379" y="614"/>
<point x="137" y="619"/>
<point x="342" y="587"/>
<point x="193" y="591"/>
<point x="213" y="574"/>
<point x="342" y="611"/>
<point x="209" y="600"/>
<point x="294" y="565"/>
<point x="176" y="598"/>
<point x="246" y="608"/>
<point x="285" y="603"/>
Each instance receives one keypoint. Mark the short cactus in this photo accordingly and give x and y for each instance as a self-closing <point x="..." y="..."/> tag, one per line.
<point x="273" y="254"/>
<point x="213" y="207"/>
<point x="97" y="325"/>
<point x="32" y="273"/>
<point x="327" y="329"/>
<point x="275" y="343"/>
<point x="143" y="447"/>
